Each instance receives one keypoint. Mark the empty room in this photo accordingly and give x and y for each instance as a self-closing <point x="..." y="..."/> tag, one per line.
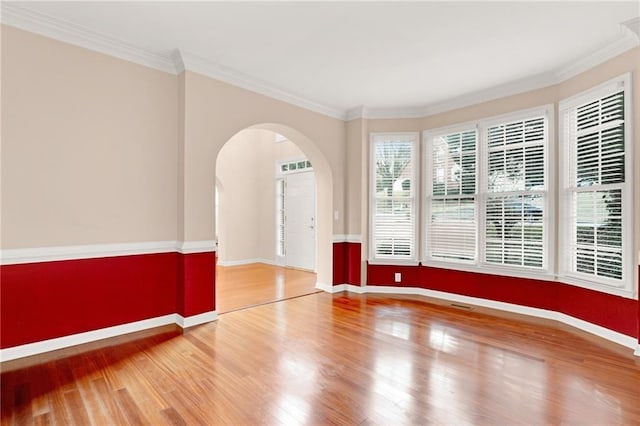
<point x="320" y="213"/>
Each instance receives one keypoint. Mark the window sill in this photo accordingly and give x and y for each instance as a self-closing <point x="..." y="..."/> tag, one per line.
<point x="393" y="262"/>
<point x="492" y="270"/>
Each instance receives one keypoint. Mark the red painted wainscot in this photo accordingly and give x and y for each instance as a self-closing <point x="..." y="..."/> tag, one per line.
<point x="46" y="300"/>
<point x="346" y="263"/>
<point x="612" y="312"/>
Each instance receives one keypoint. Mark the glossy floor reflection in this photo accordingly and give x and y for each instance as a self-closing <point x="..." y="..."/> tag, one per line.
<point x="341" y="359"/>
<point x="242" y="286"/>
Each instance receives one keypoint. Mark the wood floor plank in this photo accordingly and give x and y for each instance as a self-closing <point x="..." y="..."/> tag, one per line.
<point x="340" y="359"/>
<point x="242" y="286"/>
<point x="129" y="408"/>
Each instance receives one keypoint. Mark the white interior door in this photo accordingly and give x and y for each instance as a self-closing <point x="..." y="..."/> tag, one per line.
<point x="300" y="221"/>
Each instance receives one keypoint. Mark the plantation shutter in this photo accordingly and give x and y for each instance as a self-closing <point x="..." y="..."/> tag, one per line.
<point x="451" y="202"/>
<point x="594" y="132"/>
<point x="394" y="206"/>
<point x="515" y="205"/>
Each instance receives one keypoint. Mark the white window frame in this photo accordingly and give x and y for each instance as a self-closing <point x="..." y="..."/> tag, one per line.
<point x="308" y="167"/>
<point x="281" y="183"/>
<point x="626" y="287"/>
<point x="547" y="272"/>
<point x="547" y="269"/>
<point x="414" y="137"/>
<point x="427" y="142"/>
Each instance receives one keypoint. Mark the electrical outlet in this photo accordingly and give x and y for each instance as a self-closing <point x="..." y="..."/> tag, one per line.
<point x="398" y="277"/>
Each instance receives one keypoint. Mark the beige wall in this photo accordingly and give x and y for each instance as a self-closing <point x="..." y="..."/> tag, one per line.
<point x="88" y="146"/>
<point x="239" y="176"/>
<point x="99" y="150"/>
<point x="215" y="112"/>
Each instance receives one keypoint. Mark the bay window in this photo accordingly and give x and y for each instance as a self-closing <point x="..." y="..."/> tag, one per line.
<point x="487" y="195"/>
<point x="495" y="202"/>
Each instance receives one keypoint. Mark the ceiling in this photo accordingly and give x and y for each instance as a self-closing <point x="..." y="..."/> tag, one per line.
<point x="391" y="57"/>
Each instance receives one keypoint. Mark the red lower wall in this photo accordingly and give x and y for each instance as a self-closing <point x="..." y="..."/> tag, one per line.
<point x="346" y="263"/>
<point x="40" y="301"/>
<point x="196" y="278"/>
<point x="615" y="313"/>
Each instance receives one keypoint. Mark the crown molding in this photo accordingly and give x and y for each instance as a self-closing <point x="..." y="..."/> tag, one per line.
<point x="496" y="92"/>
<point x="187" y="61"/>
<point x="172" y="62"/>
<point x="629" y="38"/>
<point x="356" y="113"/>
<point x="633" y="26"/>
<point x="20" y="17"/>
<point x="178" y="61"/>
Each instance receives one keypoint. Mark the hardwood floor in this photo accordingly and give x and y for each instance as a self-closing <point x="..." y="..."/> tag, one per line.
<point x="242" y="286"/>
<point x="340" y="359"/>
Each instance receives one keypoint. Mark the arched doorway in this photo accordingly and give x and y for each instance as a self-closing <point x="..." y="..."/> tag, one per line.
<point x="251" y="167"/>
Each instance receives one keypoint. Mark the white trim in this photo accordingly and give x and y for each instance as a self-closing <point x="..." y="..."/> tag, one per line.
<point x="174" y="62"/>
<point x="393" y="262"/>
<point x="359" y="112"/>
<point x="35" y="348"/>
<point x="485" y="95"/>
<point x="188" y="61"/>
<point x="325" y="287"/>
<point x="188" y="247"/>
<point x="632" y="26"/>
<point x="626" y="41"/>
<point x="80" y="338"/>
<point x="340" y="288"/>
<point x="246" y="262"/>
<point x="91" y="251"/>
<point x="21" y="17"/>
<point x="605" y="333"/>
<point x="347" y="238"/>
<point x="196" y="319"/>
<point x="50" y="254"/>
<point x="178" y="61"/>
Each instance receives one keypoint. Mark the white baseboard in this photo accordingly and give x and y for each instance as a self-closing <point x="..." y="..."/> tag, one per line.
<point x="43" y="346"/>
<point x="605" y="333"/>
<point x="196" y="319"/>
<point x="337" y="288"/>
<point x="245" y="262"/>
<point x="324" y="287"/>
